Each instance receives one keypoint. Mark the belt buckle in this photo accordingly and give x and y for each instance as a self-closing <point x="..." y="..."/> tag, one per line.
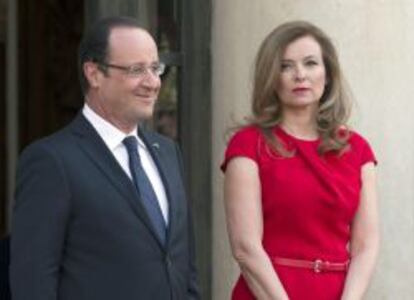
<point x="317" y="265"/>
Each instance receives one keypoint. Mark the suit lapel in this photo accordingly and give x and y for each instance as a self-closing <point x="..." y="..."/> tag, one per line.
<point x="93" y="146"/>
<point x="160" y="155"/>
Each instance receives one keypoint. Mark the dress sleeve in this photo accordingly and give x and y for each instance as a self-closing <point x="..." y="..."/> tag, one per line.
<point x="243" y="143"/>
<point x="366" y="154"/>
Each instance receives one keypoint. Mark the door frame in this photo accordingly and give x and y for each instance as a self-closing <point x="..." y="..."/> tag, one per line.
<point x="195" y="128"/>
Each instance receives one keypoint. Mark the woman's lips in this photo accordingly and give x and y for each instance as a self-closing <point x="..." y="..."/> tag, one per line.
<point x="300" y="89"/>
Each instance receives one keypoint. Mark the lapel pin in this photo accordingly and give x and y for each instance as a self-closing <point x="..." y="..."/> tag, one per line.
<point x="156" y="145"/>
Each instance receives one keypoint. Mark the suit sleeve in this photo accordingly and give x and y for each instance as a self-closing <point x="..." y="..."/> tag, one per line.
<point x="193" y="288"/>
<point x="40" y="216"/>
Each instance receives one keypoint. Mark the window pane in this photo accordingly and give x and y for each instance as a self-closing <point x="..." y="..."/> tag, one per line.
<point x="168" y="26"/>
<point x="165" y="118"/>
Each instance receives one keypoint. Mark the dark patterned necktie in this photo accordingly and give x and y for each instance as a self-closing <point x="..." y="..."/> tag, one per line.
<point x="148" y="197"/>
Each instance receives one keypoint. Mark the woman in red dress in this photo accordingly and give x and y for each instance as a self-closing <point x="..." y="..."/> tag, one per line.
<point x="300" y="191"/>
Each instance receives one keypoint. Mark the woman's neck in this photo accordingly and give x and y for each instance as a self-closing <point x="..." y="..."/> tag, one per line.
<point x="300" y="125"/>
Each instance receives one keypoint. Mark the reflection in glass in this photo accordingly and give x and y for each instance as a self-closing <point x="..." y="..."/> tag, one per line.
<point x="165" y="118"/>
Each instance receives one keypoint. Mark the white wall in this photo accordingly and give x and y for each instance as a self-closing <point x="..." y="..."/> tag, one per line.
<point x="376" y="47"/>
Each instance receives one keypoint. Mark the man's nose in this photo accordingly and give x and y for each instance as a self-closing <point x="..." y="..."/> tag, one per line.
<point x="151" y="79"/>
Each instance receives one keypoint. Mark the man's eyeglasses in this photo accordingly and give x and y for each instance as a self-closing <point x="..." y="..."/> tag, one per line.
<point x="137" y="71"/>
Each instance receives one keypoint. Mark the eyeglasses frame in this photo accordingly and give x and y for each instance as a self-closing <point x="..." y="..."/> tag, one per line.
<point x="144" y="69"/>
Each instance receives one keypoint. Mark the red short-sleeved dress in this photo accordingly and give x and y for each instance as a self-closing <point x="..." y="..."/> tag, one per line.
<point x="308" y="204"/>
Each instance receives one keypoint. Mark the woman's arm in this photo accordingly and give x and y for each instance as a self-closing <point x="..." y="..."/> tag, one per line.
<point x="364" y="238"/>
<point x="242" y="193"/>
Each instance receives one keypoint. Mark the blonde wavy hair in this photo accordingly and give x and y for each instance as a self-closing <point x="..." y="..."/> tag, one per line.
<point x="334" y="105"/>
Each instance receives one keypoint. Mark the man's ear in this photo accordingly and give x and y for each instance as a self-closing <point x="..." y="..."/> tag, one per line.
<point x="92" y="73"/>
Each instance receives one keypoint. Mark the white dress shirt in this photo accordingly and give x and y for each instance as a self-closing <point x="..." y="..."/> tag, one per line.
<point x="113" y="138"/>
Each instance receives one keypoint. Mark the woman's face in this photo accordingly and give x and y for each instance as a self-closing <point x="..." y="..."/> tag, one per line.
<point x="303" y="74"/>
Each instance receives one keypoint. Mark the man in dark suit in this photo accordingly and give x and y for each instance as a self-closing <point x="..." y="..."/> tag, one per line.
<point x="101" y="211"/>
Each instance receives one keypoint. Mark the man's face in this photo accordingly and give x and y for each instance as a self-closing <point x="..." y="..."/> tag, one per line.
<point x="126" y="99"/>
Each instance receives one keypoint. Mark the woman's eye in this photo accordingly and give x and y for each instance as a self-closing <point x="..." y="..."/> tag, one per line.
<point x="285" y="66"/>
<point x="311" y="63"/>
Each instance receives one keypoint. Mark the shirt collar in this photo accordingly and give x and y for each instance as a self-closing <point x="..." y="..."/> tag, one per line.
<point x="111" y="135"/>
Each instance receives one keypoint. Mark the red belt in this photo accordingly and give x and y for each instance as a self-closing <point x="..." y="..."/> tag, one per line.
<point x="317" y="265"/>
